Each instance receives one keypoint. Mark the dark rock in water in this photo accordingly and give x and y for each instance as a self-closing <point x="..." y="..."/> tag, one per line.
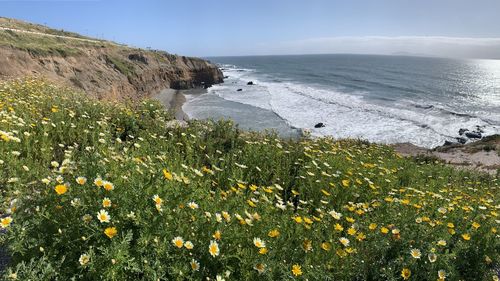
<point x="250" y="83"/>
<point x="225" y="77"/>
<point x="207" y="86"/>
<point x="462" y="131"/>
<point x="461" y="140"/>
<point x="479" y="129"/>
<point x="319" y="125"/>
<point x="448" y="143"/>
<point x="473" y="135"/>
<point x="239" y="90"/>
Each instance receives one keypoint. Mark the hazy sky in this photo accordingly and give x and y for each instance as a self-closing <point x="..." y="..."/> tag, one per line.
<point x="461" y="28"/>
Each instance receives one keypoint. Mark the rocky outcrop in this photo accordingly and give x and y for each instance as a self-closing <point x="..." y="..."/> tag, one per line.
<point x="111" y="71"/>
<point x="482" y="155"/>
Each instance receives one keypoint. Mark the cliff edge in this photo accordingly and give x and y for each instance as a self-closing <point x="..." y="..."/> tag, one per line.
<point x="101" y="68"/>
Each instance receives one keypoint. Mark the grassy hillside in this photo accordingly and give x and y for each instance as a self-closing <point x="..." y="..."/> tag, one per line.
<point x="100" y="68"/>
<point x="102" y="191"/>
<point x="22" y="25"/>
<point x="40" y="45"/>
<point x="58" y="43"/>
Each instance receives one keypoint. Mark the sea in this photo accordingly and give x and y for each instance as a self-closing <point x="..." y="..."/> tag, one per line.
<point x="383" y="99"/>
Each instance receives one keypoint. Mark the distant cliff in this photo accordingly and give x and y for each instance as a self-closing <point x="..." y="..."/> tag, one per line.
<point x="101" y="68"/>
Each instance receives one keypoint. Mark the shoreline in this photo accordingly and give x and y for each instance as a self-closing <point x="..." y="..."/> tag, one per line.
<point x="173" y="100"/>
<point x="482" y="155"/>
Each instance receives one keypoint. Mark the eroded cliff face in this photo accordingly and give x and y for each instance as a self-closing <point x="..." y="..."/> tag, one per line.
<point x="111" y="72"/>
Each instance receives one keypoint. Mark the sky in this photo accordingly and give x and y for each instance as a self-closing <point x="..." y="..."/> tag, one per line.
<point x="452" y="28"/>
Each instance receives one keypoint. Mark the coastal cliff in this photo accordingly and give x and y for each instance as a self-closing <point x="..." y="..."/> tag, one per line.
<point x="100" y="68"/>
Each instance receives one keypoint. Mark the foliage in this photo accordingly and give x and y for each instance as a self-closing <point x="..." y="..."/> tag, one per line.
<point x="102" y="191"/>
<point x="39" y="45"/>
<point x="121" y="65"/>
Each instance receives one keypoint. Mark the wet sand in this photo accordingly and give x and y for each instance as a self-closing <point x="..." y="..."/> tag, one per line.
<point x="211" y="106"/>
<point x="174" y="99"/>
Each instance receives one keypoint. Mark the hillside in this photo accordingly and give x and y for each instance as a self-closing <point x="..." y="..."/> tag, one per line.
<point x="96" y="190"/>
<point x="101" y="68"/>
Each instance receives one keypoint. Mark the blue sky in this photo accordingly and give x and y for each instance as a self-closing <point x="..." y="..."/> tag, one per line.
<point x="239" y="27"/>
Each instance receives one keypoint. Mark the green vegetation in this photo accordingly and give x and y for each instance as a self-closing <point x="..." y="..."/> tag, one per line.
<point x="20" y="25"/>
<point x="121" y="65"/>
<point x="40" y="45"/>
<point x="101" y="191"/>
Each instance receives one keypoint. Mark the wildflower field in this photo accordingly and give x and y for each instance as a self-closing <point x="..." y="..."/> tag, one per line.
<point x="101" y="191"/>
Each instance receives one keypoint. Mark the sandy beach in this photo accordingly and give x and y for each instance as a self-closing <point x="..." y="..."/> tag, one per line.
<point x="174" y="99"/>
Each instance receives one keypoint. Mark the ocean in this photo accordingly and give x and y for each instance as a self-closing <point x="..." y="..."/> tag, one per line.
<point x="383" y="99"/>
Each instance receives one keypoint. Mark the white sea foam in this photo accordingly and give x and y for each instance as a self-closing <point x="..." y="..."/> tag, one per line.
<point x="346" y="115"/>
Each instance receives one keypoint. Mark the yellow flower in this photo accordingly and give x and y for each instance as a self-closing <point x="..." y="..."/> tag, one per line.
<point x="326" y="246"/>
<point x="405" y="273"/>
<point x="297" y="219"/>
<point x="195" y="265"/>
<point x="103" y="216"/>
<point x="106" y="203"/>
<point x="5" y="222"/>
<point x="167" y="174"/>
<point x="84" y="259"/>
<point x="259" y="243"/>
<point x="341" y="253"/>
<point x="346" y="183"/>
<point x="351" y="231"/>
<point x="476" y="225"/>
<point x="213" y="248"/>
<point x="338" y="227"/>
<point x="361" y="236"/>
<point x="61" y="189"/>
<point x="344" y="241"/>
<point x="157" y="199"/>
<point x="296" y="270"/>
<point x="441" y="274"/>
<point x="193" y="206"/>
<point x="110" y="232"/>
<point x="226" y="216"/>
<point x="450" y="225"/>
<point x="273" y="233"/>
<point x="415" y="253"/>
<point x="98" y="182"/>
<point x="178" y="242"/>
<point x="350" y="250"/>
<point x="308" y="220"/>
<point x="263" y="251"/>
<point x="81" y="180"/>
<point x="217" y="235"/>
<point x="188" y="245"/>
<point x="307" y="245"/>
<point x="108" y="186"/>
<point x="441" y="242"/>
<point x="384" y="230"/>
<point x="466" y="236"/>
<point x="372" y="226"/>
